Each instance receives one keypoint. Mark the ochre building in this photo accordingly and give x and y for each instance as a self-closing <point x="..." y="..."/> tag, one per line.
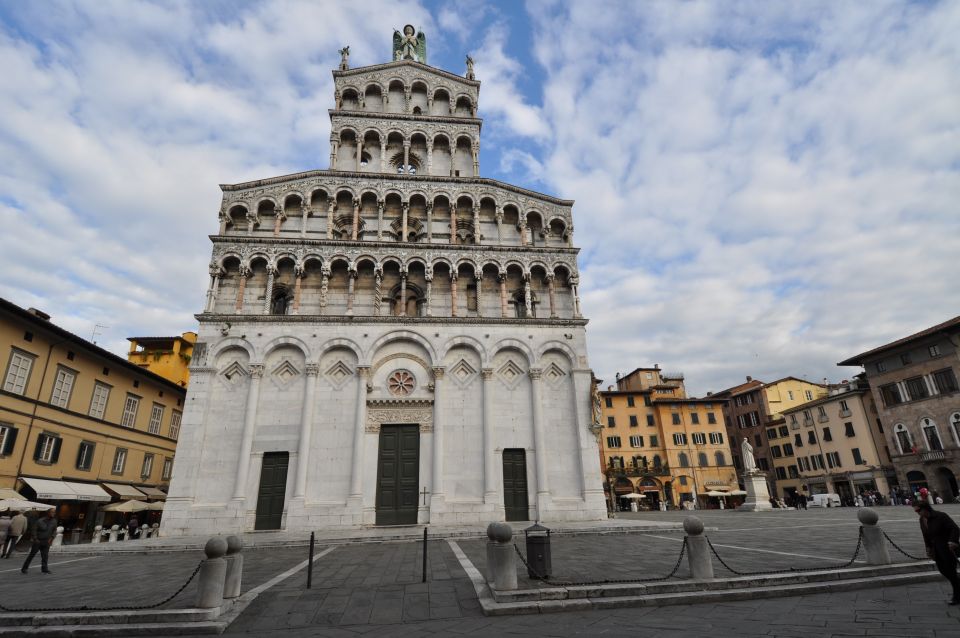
<point x="167" y="356"/>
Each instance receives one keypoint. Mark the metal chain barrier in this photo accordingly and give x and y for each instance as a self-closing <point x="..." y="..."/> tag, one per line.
<point x="607" y="581"/>
<point x="901" y="550"/>
<point x="112" y="608"/>
<point x="789" y="570"/>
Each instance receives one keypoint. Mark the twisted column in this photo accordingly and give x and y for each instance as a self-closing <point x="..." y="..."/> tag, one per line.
<point x="430" y="156"/>
<point x="324" y="287"/>
<point x="215" y="274"/>
<point x="453" y="223"/>
<point x="330" y="209"/>
<point x="523" y="232"/>
<point x="351" y="278"/>
<point x="359" y="150"/>
<point x="304" y="215"/>
<point x="356" y="219"/>
<point x="380" y="205"/>
<point x="268" y="293"/>
<point x="429" y="222"/>
<point x="377" y="292"/>
<point x="405" y="207"/>
<point x="498" y="215"/>
<point x="403" y="294"/>
<point x="383" y="155"/>
<point x="476" y="223"/>
<point x="334" y="147"/>
<point x="429" y="277"/>
<point x="279" y="217"/>
<point x="527" y="301"/>
<point x="479" y="277"/>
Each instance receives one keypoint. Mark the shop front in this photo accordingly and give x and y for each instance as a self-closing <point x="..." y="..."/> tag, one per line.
<point x="76" y="503"/>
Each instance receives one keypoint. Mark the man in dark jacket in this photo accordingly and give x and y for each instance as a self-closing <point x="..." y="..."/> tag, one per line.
<point x="43" y="532"/>
<point x="941" y="535"/>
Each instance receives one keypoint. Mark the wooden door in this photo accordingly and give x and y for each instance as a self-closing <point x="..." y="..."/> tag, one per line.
<point x="273" y="489"/>
<point x="398" y="475"/>
<point x="515" y="484"/>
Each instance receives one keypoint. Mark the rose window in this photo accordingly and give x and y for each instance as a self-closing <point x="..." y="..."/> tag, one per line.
<point x="401" y="383"/>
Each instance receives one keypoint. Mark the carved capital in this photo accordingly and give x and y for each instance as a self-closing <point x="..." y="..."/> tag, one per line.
<point x="486" y="373"/>
<point x="535" y="373"/>
<point x="313" y="369"/>
<point x="256" y="370"/>
<point x="438" y="372"/>
<point x="363" y="372"/>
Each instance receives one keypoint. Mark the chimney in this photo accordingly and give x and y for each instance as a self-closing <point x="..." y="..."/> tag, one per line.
<point x="618" y="376"/>
<point x="39" y="314"/>
<point x="749" y="378"/>
<point x="709" y="394"/>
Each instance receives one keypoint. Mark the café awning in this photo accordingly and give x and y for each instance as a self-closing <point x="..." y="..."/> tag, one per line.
<point x="153" y="493"/>
<point x="7" y="493"/>
<point x="53" y="490"/>
<point x="126" y="491"/>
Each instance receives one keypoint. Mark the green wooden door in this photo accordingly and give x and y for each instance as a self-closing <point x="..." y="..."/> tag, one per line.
<point x="515" y="484"/>
<point x="273" y="488"/>
<point x="398" y="475"/>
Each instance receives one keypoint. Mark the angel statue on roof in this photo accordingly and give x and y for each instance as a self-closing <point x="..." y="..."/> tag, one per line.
<point x="410" y="45"/>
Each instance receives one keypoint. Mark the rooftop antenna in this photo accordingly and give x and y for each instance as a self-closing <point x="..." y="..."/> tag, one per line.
<point x="97" y="331"/>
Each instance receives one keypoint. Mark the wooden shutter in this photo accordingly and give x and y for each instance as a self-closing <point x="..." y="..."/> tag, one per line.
<point x="55" y="456"/>
<point x="11" y="441"/>
<point x="38" y="448"/>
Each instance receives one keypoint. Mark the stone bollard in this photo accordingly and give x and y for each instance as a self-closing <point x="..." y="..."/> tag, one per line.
<point x="212" y="574"/>
<point x="698" y="552"/>
<point x="97" y="532"/>
<point x="155" y="530"/>
<point x="501" y="557"/>
<point x="873" y="540"/>
<point x="232" y="582"/>
<point x="58" y="539"/>
<point x="143" y="531"/>
<point x="113" y="534"/>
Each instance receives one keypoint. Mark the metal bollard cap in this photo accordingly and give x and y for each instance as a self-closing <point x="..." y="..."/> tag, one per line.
<point x="115" y="528"/>
<point x="693" y="526"/>
<point x="499" y="532"/>
<point x="868" y="516"/>
<point x="234" y="544"/>
<point x="216" y="547"/>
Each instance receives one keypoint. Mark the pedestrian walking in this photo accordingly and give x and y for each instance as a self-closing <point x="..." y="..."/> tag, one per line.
<point x="941" y="536"/>
<point x="43" y="532"/>
<point x="18" y="526"/>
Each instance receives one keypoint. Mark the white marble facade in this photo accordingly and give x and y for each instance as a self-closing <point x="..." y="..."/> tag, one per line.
<point x="449" y="302"/>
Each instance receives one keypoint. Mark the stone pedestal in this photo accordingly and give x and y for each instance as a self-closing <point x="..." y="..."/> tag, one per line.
<point x="758" y="497"/>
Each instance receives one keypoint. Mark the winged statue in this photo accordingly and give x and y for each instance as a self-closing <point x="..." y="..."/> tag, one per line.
<point x="410" y="45"/>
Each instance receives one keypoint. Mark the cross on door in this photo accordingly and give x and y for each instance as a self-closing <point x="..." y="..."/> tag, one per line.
<point x="424" y="493"/>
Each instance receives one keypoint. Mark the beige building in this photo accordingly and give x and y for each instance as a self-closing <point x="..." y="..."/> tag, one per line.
<point x="914" y="385"/>
<point x="831" y="445"/>
<point x="80" y="427"/>
<point x="167" y="356"/>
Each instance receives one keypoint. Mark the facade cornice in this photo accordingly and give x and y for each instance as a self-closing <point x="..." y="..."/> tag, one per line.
<point x="233" y="320"/>
<point x="398" y="64"/>
<point x="406" y="117"/>
<point x="367" y="246"/>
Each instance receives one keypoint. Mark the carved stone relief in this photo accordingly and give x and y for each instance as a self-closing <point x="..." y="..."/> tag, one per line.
<point x="399" y="411"/>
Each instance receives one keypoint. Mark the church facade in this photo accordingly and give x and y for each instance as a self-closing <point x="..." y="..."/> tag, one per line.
<point x="394" y="340"/>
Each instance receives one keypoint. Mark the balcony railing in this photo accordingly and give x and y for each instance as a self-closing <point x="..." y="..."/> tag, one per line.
<point x="845" y="413"/>
<point x="823" y="418"/>
<point x="933" y="455"/>
<point x="663" y="470"/>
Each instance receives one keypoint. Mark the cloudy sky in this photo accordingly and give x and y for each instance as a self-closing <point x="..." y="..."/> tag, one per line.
<point x="762" y="188"/>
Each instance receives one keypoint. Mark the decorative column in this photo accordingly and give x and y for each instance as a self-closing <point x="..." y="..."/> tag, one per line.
<point x="383" y="155"/>
<point x="499" y="217"/>
<point x="476" y="159"/>
<point x="576" y="297"/>
<point x="359" y="152"/>
<point x="430" y="155"/>
<point x="453" y="294"/>
<point x="476" y="223"/>
<point x="330" y="209"/>
<point x="252" y="220"/>
<point x="429" y="222"/>
<point x="359" y="426"/>
<point x="502" y="278"/>
<point x="324" y="287"/>
<point x="356" y="219"/>
<point x="453" y="223"/>
<point x="215" y="274"/>
<point x="479" y="277"/>
<point x="377" y="291"/>
<point x="304" y="216"/>
<point x="279" y="218"/>
<point x="298" y="271"/>
<point x="268" y="293"/>
<point x="334" y="147"/>
<point x="436" y="495"/>
<point x="523" y="232"/>
<point x="306" y="427"/>
<point x="403" y="293"/>
<point x="351" y="279"/>
<point x="539" y="439"/>
<point x="569" y="237"/>
<point x="405" y="207"/>
<point x="380" y="205"/>
<point x="526" y="295"/>
<point x="408" y="100"/>
<point x="249" y="424"/>
<point x="406" y="155"/>
<point x="489" y="456"/>
<point x="552" y="294"/>
<point x="244" y="273"/>
<point x="429" y="277"/>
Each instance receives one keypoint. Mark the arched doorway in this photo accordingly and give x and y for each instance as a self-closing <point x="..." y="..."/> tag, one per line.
<point x="948" y="484"/>
<point x="650" y="489"/>
<point x="621" y="487"/>
<point x="916" y="479"/>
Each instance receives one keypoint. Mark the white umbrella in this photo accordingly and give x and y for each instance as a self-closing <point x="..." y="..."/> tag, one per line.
<point x="127" y="506"/>
<point x="715" y="493"/>
<point x="634" y="496"/>
<point x="156" y="506"/>
<point x="20" y="505"/>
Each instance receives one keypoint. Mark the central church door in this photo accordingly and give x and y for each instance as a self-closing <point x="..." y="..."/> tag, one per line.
<point x="398" y="475"/>
<point x="515" y="485"/>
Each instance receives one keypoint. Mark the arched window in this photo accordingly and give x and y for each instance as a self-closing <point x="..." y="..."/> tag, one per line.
<point x="683" y="460"/>
<point x="415" y="302"/>
<point x="721" y="458"/>
<point x="702" y="459"/>
<point x="657" y="464"/>
<point x="520" y="306"/>
<point x="904" y="441"/>
<point x="955" y="427"/>
<point x="280" y="302"/>
<point x="931" y="435"/>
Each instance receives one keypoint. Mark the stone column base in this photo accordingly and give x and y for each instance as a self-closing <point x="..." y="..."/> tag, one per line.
<point x="758" y="497"/>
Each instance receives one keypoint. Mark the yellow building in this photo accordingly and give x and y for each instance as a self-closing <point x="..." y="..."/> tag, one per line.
<point x="660" y="444"/>
<point x="79" y="426"/>
<point x="834" y="444"/>
<point x="167" y="356"/>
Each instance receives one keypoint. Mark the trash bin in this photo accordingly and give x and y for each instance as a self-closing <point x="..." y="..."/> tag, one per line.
<point x="538" y="551"/>
<point x="75" y="535"/>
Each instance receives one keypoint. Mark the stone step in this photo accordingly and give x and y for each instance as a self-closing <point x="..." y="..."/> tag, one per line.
<point x="119" y="617"/>
<point x="126" y="630"/>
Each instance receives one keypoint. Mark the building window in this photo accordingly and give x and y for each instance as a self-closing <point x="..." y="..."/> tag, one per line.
<point x="775" y="451"/>
<point x="741" y="421"/>
<point x="98" y="402"/>
<point x="636" y="441"/>
<point x="754" y="418"/>
<point x="890" y="394"/>
<point x="822" y="413"/>
<point x="130" y="411"/>
<point x="807" y="417"/>
<point x="654" y="442"/>
<point x="916" y="388"/>
<point x="848" y="429"/>
<point x="945" y="381"/>
<point x="675" y="417"/>
<point x="857" y="458"/>
<point x="156" y="416"/>
<point x="771" y="434"/>
<point x="646" y="400"/>
<point x="175" y="417"/>
<point x="119" y="460"/>
<point x="793" y="419"/>
<point x="833" y="459"/>
<point x="62" y="387"/>
<point x="630" y="401"/>
<point x="808" y="394"/>
<point x="694" y="418"/>
<point x="784" y="431"/>
<point x="679" y="438"/>
<point x="47" y="451"/>
<point x="763" y="464"/>
<point x="147" y="468"/>
<point x="904" y="442"/>
<point x="790" y="395"/>
<point x="905" y="359"/>
<point x="650" y="420"/>
<point x="787" y="449"/>
<point x="699" y="438"/>
<point x="720" y="458"/>
<point x="613" y="441"/>
<point x="797" y="440"/>
<point x="758" y="440"/>
<point x="934" y="351"/>
<point x="818" y="462"/>
<point x="792" y="471"/>
<point x="781" y="473"/>
<point x="827" y="436"/>
<point x="85" y="455"/>
<point x="167" y="469"/>
<point x="703" y="460"/>
<point x="711" y="418"/>
<point x="931" y="435"/>
<point x="611" y="422"/>
<point x="608" y="402"/>
<point x="844" y="408"/>
<point x="8" y="438"/>
<point x="683" y="460"/>
<point x="716" y="438"/>
<point x="18" y="371"/>
<point x="633" y="421"/>
<point x="657" y="463"/>
<point x="812" y="437"/>
<point x="881" y="366"/>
